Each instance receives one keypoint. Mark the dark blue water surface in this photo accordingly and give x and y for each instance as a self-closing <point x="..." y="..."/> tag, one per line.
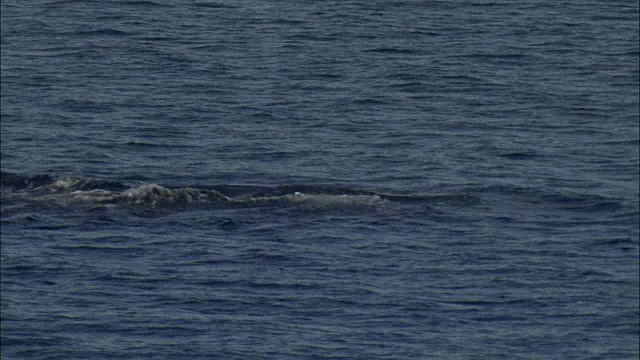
<point x="320" y="179"/>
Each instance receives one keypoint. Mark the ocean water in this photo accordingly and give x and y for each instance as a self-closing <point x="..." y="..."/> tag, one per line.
<point x="319" y="179"/>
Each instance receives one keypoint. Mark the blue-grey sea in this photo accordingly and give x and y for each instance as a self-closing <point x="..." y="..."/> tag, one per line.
<point x="280" y="179"/>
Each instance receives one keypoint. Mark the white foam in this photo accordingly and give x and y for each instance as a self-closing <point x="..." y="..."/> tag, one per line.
<point x="65" y="183"/>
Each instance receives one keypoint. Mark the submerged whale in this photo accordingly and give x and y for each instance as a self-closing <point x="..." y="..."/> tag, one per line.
<point x="87" y="193"/>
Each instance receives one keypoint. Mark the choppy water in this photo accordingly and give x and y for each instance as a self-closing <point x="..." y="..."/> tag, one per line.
<point x="337" y="179"/>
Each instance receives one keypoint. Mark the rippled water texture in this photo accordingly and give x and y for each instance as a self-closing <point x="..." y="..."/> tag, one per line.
<point x="334" y="179"/>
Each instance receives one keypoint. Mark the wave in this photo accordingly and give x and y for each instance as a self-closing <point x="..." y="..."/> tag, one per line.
<point x="72" y="191"/>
